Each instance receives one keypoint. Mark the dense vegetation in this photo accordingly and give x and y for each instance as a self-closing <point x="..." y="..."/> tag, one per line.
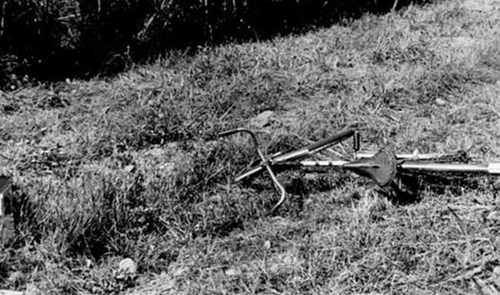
<point x="53" y="39"/>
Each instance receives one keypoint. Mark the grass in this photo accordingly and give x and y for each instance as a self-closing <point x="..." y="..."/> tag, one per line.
<point x="132" y="166"/>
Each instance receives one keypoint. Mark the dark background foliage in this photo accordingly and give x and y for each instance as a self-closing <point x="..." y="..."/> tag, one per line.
<point x="54" y="39"/>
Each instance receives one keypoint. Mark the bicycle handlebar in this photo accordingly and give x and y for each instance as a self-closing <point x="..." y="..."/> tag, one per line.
<point x="295" y="155"/>
<point x="264" y="164"/>
<point x="298" y="154"/>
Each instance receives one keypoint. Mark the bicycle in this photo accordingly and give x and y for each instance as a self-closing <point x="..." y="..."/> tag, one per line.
<point x="382" y="167"/>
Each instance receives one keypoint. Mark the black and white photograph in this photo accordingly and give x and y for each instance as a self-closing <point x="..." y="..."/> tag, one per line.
<point x="221" y="147"/>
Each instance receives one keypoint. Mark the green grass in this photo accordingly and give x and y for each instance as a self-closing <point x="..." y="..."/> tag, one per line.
<point x="132" y="166"/>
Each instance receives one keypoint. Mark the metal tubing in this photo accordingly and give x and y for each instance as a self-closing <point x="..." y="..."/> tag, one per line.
<point x="264" y="163"/>
<point x="406" y="156"/>
<point x="452" y="168"/>
<point x="338" y="163"/>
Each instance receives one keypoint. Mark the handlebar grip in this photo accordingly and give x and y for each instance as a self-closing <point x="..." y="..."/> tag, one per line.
<point x="330" y="140"/>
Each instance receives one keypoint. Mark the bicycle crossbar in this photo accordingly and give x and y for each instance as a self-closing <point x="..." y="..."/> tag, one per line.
<point x="405" y="156"/>
<point x="338" y="163"/>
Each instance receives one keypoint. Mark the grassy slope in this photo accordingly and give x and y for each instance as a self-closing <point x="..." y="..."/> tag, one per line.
<point x="132" y="168"/>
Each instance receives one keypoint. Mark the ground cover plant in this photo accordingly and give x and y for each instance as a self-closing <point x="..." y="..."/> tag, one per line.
<point x="131" y="167"/>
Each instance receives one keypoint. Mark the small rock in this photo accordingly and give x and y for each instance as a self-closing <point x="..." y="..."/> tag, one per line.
<point x="267" y="245"/>
<point x="262" y="120"/>
<point x="440" y="102"/>
<point x="232" y="272"/>
<point x="129" y="168"/>
<point x="126" y="269"/>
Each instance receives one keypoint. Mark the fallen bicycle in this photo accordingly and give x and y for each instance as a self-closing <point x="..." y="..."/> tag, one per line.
<point x="383" y="167"/>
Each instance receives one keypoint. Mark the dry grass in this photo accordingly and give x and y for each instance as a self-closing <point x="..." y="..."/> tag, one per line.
<point x="132" y="167"/>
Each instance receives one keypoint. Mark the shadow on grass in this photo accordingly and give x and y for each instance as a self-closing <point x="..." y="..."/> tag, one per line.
<point x="106" y="39"/>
